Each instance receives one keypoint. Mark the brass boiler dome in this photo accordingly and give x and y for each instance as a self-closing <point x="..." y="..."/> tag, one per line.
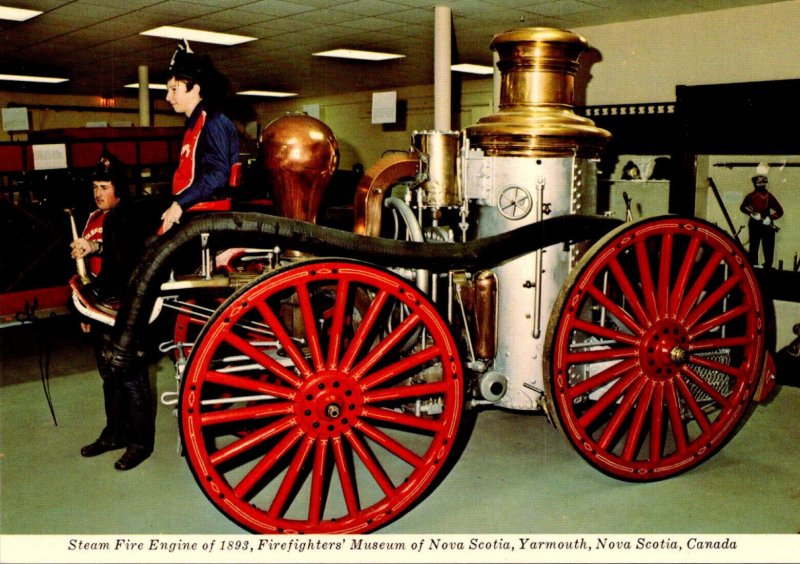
<point x="536" y="117"/>
<point x="300" y="155"/>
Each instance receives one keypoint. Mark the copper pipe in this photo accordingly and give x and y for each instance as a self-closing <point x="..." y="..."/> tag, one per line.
<point x="485" y="304"/>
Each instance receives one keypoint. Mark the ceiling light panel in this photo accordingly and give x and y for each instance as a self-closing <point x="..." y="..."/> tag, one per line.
<point x="472" y="69"/>
<point x="151" y="86"/>
<point x="198" y="35"/>
<point x="17" y="14"/>
<point x="267" y="93"/>
<point x="27" y="78"/>
<point x="359" y="55"/>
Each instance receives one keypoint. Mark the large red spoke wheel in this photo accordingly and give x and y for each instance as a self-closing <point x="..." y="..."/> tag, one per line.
<point x="655" y="345"/>
<point x="338" y="424"/>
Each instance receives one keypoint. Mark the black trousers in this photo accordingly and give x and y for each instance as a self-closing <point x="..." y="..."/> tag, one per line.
<point x="130" y="417"/>
<point x="761" y="235"/>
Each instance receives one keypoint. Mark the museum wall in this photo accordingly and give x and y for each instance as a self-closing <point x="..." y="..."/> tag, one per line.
<point x="643" y="61"/>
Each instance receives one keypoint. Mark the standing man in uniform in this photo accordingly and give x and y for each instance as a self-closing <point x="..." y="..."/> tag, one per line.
<point x="210" y="145"/>
<point x="113" y="238"/>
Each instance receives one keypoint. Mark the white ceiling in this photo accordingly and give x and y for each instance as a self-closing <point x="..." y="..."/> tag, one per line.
<point x="97" y="45"/>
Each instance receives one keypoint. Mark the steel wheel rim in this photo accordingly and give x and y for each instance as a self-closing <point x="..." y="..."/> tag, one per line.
<point x="674" y="372"/>
<point x="333" y="431"/>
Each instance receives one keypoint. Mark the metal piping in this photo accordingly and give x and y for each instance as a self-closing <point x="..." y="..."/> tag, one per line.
<point x="414" y="232"/>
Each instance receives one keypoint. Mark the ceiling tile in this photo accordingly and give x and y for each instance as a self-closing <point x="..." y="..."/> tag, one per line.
<point x="98" y="42"/>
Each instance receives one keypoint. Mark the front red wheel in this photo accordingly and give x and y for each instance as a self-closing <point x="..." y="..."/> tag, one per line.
<point x="655" y="345"/>
<point x="344" y="391"/>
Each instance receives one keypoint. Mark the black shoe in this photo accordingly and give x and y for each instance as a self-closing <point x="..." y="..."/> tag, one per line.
<point x="132" y="458"/>
<point x="99" y="447"/>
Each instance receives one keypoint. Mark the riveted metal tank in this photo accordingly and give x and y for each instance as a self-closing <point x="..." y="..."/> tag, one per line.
<point x="533" y="158"/>
<point x="300" y="154"/>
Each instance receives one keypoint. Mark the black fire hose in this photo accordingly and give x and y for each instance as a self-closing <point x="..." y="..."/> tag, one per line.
<point x="257" y="229"/>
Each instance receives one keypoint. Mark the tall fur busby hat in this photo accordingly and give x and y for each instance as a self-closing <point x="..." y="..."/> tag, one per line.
<point x="198" y="69"/>
<point x="186" y="64"/>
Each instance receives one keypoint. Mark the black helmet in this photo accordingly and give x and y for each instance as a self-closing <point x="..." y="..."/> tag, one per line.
<point x="110" y="169"/>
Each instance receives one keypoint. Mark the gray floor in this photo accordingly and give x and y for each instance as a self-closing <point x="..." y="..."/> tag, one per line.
<point x="517" y="474"/>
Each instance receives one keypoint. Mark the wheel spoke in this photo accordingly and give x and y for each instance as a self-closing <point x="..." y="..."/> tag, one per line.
<point x="315" y="501"/>
<point x="337" y="327"/>
<point x="674" y="411"/>
<point x="648" y="289"/>
<point x="290" y="480"/>
<point x="402" y="419"/>
<point x="700" y="284"/>
<point x="601" y="355"/>
<point x="611" y="396"/>
<point x="716" y="366"/>
<point x="657" y="422"/>
<point x="600" y="331"/>
<point x="364" y="329"/>
<point x="277" y="452"/>
<point x="713" y="299"/>
<point x="397" y="368"/>
<point x="255" y="412"/>
<point x="284" y="339"/>
<point x="251" y="440"/>
<point x="721" y="343"/>
<point x="721" y="320"/>
<point x="310" y="326"/>
<point x="405" y="392"/>
<point x="389" y="444"/>
<point x="601" y="379"/>
<point x="345" y="477"/>
<point x="263" y="359"/>
<point x="628" y="292"/>
<point x="250" y="385"/>
<point x="615" y="310"/>
<point x="373" y="466"/>
<point x="691" y="403"/>
<point x="637" y="424"/>
<point x="682" y="281"/>
<point x="664" y="270"/>
<point x="721" y="400"/>
<point x="386" y="345"/>
<point x="621" y="412"/>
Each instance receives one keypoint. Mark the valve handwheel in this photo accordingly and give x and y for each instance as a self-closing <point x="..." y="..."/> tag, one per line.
<point x="655" y="346"/>
<point x="347" y="425"/>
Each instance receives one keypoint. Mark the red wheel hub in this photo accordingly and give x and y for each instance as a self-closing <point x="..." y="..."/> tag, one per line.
<point x="663" y="349"/>
<point x="329" y="404"/>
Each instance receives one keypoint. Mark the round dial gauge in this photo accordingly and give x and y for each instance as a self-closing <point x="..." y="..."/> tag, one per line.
<point x="515" y="202"/>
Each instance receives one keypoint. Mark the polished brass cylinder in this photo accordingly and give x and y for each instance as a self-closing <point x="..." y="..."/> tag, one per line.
<point x="536" y="115"/>
<point x="300" y="155"/>
<point x="485" y="311"/>
<point x="439" y="151"/>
